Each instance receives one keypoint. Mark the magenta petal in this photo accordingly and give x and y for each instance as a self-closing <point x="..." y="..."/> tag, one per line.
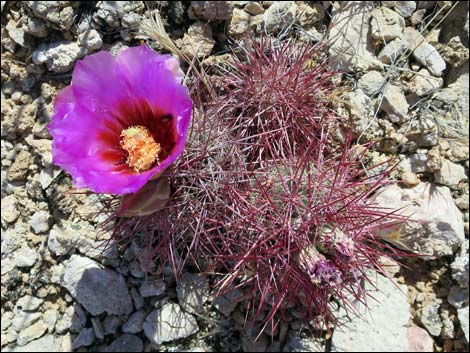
<point x="107" y="95"/>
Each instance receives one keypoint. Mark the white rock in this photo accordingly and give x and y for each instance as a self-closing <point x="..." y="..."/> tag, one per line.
<point x="169" y="323"/>
<point x="463" y="320"/>
<point x="424" y="52"/>
<point x="59" y="57"/>
<point x="450" y="174"/>
<point x="436" y="224"/>
<point x="15" y="33"/>
<point x="31" y="333"/>
<point x="193" y="291"/>
<point x="395" y="104"/>
<point x="25" y="257"/>
<point x="393" y="50"/>
<point x="39" y="222"/>
<point x="381" y="327"/>
<point x="47" y="343"/>
<point x="386" y="24"/>
<point x="50" y="319"/>
<point x="197" y="41"/>
<point x="279" y="16"/>
<point x="360" y="109"/>
<point x="414" y="163"/>
<point x="96" y="288"/>
<point x="28" y="303"/>
<point x="423" y="83"/>
<point x="371" y="82"/>
<point x="240" y="22"/>
<point x="23" y="320"/>
<point x="10" y="212"/>
<point x="91" y="40"/>
<point x="351" y="49"/>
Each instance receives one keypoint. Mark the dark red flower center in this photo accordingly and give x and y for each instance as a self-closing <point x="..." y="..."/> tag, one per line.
<point x="137" y="137"/>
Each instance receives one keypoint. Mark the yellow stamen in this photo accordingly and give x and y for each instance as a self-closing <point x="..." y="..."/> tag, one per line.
<point x="142" y="149"/>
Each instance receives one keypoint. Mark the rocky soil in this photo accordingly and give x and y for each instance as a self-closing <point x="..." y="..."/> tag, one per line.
<point x="405" y="85"/>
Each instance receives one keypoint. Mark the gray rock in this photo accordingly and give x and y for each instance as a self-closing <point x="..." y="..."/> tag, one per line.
<point x="460" y="266"/>
<point x="463" y="320"/>
<point x="169" y="323"/>
<point x="193" y="291"/>
<point x="62" y="240"/>
<point x="226" y="303"/>
<point x="79" y="317"/>
<point x="425" y="133"/>
<point x="254" y="8"/>
<point x="423" y="83"/>
<point x="381" y="327"/>
<point x="424" y="52"/>
<point x="56" y="12"/>
<point x="60" y="56"/>
<point x="152" y="288"/>
<point x="415" y="163"/>
<point x="393" y="50"/>
<point x="28" y="303"/>
<point x="37" y="27"/>
<point x="436" y="224"/>
<point x="395" y="104"/>
<point x="351" y="48"/>
<point x="135" y="322"/>
<point x="210" y="10"/>
<point x="97" y="328"/>
<point x="39" y="222"/>
<point x="91" y="40"/>
<point x="111" y="324"/>
<point x="136" y="299"/>
<point x="10" y="212"/>
<point x="450" y="174"/>
<point x="114" y="12"/>
<point x="386" y="24"/>
<point x="25" y="257"/>
<point x="30" y="333"/>
<point x="296" y="343"/>
<point x="405" y="8"/>
<point x="96" y="288"/>
<point x="47" y="343"/>
<point x="85" y="338"/>
<point x="126" y="343"/>
<point x="430" y="318"/>
<point x="279" y="16"/>
<point x="371" y="82"/>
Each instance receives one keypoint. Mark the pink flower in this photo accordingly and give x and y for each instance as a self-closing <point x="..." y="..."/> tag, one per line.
<point x="122" y="121"/>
